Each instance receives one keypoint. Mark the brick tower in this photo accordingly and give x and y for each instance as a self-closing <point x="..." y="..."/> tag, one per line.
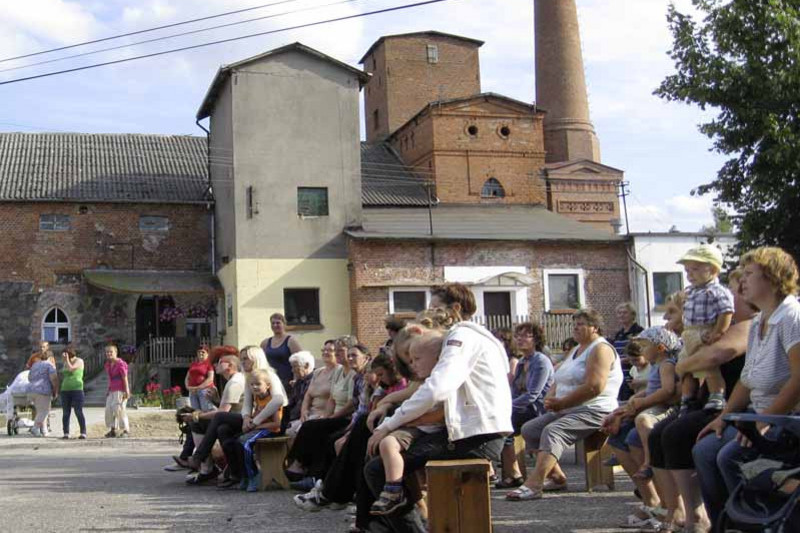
<point x="413" y="69"/>
<point x="561" y="84"/>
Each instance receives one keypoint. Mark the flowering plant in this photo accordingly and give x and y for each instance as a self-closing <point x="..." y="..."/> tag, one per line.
<point x="152" y="397"/>
<point x="169" y="397"/>
<point x="208" y="310"/>
<point x="127" y="349"/>
<point x="170" y="314"/>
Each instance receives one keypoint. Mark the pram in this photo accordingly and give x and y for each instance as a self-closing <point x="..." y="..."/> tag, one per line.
<point x="758" y="503"/>
<point x="21" y="405"/>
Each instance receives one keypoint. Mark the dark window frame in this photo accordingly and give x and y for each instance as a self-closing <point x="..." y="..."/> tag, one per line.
<point x="492" y="188"/>
<point x="307" y="317"/>
<point x="306" y="205"/>
<point x="151" y="227"/>
<point x="54" y="222"/>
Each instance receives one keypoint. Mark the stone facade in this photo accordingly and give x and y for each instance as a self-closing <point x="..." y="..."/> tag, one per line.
<point x="41" y="269"/>
<point x="378" y="265"/>
<point x="404" y="80"/>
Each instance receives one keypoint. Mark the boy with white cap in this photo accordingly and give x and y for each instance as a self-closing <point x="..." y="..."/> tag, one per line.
<point x="707" y="316"/>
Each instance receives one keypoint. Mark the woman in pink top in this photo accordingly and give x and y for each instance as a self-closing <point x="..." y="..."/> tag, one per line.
<point x="118" y="393"/>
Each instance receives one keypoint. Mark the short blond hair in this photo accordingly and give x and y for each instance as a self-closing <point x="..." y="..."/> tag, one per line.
<point x="777" y="266"/>
<point x="629" y="307"/>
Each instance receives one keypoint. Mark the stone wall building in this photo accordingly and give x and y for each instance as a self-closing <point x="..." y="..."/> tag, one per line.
<point x="76" y="207"/>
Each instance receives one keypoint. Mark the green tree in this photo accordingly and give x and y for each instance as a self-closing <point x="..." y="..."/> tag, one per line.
<point x="722" y="222"/>
<point x="741" y="58"/>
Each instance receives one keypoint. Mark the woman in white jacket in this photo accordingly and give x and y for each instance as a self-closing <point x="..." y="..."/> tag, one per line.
<point x="470" y="380"/>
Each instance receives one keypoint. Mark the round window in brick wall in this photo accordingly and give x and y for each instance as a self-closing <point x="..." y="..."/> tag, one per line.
<point x="504" y="131"/>
<point x="472" y="130"/>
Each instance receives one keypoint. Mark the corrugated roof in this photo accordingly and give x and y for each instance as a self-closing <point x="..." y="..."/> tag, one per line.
<point x="477" y="222"/>
<point x="102" y="167"/>
<point x="386" y="181"/>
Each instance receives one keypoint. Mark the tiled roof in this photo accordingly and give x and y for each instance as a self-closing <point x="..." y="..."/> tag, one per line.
<point x="387" y="182"/>
<point x="102" y="167"/>
<point x="477" y="222"/>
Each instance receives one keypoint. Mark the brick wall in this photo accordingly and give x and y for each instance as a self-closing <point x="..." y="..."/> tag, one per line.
<point x="378" y="265"/>
<point x="100" y="235"/>
<point x="440" y="144"/>
<point x="403" y="81"/>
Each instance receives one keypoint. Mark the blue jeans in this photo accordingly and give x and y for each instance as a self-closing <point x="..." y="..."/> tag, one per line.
<point x="199" y="400"/>
<point x="72" y="399"/>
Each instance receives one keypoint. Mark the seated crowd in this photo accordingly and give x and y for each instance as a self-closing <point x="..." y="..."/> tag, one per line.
<point x="362" y="427"/>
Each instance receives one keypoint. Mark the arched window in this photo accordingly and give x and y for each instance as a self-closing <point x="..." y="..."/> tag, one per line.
<point x="493" y="189"/>
<point x="55" y="327"/>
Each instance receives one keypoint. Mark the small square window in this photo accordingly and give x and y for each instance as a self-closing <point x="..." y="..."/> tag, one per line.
<point x="312" y="201"/>
<point x="432" y="53"/>
<point x="408" y="301"/>
<point x="664" y="284"/>
<point x="301" y="307"/>
<point x="563" y="291"/>
<point x="153" y="223"/>
<point x="54" y="222"/>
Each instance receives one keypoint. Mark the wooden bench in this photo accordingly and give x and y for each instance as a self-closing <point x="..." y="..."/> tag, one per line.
<point x="594" y="451"/>
<point x="271" y="455"/>
<point x="458" y="496"/>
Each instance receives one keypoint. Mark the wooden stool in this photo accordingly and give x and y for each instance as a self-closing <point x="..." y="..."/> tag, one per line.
<point x="458" y="496"/>
<point x="271" y="453"/>
<point x="594" y="452"/>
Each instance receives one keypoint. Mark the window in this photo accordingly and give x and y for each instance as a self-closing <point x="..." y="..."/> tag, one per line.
<point x="408" y="300"/>
<point x="563" y="290"/>
<point x="664" y="284"/>
<point x="312" y="201"/>
<point x="301" y="307"/>
<point x="376" y="118"/>
<point x="433" y="53"/>
<point x="153" y="223"/>
<point x="54" y="222"/>
<point x="198" y="328"/>
<point x="252" y="206"/>
<point x="497" y="303"/>
<point x="493" y="189"/>
<point x="55" y="327"/>
<point x="472" y="130"/>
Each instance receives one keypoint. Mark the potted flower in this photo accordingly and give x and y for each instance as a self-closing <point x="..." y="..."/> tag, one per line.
<point x="169" y="397"/>
<point x="152" y="395"/>
<point x="171" y="314"/>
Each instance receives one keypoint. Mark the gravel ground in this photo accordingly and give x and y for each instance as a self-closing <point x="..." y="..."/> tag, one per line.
<point x="119" y="485"/>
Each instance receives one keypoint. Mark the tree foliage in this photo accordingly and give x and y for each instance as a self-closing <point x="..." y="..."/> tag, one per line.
<point x="722" y="222"/>
<point x="741" y="59"/>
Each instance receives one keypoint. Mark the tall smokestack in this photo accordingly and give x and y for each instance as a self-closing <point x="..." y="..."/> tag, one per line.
<point x="561" y="85"/>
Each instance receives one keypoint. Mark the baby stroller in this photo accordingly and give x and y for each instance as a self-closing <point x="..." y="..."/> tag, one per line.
<point x="15" y="406"/>
<point x="761" y="502"/>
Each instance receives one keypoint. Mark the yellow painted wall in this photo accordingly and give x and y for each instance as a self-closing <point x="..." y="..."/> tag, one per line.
<point x="258" y="284"/>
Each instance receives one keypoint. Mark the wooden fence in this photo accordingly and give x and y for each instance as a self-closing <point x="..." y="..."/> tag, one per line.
<point x="557" y="327"/>
<point x="172" y="350"/>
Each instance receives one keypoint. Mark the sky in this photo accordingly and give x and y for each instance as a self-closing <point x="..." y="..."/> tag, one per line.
<point x="625" y="44"/>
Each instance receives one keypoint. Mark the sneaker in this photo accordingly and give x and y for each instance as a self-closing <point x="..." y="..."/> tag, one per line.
<point x="714" y="404"/>
<point x="243" y="483"/>
<point x="313" y="500"/>
<point x="304" y="485"/>
<point x="388" y="502"/>
<point x="124" y="435"/>
<point x="82" y="437"/>
<point x="65" y="437"/>
<point x="111" y="434"/>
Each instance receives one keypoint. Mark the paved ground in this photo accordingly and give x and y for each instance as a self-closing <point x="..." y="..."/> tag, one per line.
<point x="102" y="485"/>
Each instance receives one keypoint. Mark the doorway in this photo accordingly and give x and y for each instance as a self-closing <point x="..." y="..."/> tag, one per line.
<point x="148" y="322"/>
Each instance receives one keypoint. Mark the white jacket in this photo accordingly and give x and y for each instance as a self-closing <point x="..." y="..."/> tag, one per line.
<point x="471" y="380"/>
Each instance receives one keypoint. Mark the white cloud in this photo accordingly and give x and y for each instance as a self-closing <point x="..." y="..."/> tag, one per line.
<point x="686" y="213"/>
<point x="47" y="21"/>
<point x="691" y="205"/>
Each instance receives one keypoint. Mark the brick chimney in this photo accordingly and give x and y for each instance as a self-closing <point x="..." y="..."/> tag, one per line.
<point x="561" y="85"/>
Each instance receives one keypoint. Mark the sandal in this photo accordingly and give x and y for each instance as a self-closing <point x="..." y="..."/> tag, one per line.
<point x="523" y="494"/>
<point x="510" y="483"/>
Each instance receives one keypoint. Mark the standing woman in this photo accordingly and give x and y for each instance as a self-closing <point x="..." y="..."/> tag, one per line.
<point x="279" y="348"/>
<point x="72" y="391"/>
<point x="117" y="395"/>
<point x="42" y="390"/>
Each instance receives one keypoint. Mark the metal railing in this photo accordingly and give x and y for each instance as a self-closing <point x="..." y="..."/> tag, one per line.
<point x="172" y="350"/>
<point x="557" y="326"/>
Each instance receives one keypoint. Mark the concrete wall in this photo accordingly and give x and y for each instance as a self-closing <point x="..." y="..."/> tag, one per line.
<point x="221" y="164"/>
<point x="295" y="125"/>
<point x="659" y="253"/>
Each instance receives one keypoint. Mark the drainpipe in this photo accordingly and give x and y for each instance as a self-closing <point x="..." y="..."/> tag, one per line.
<point x="646" y="284"/>
<point x="209" y="191"/>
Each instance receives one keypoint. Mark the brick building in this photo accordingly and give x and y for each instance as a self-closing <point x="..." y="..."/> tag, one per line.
<point x="534" y="236"/>
<point x="75" y="208"/>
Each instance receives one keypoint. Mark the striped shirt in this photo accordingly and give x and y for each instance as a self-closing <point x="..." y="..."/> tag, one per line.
<point x="766" y="364"/>
<point x="705" y="303"/>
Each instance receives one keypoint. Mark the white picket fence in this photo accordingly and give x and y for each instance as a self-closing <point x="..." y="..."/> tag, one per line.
<point x="557" y="327"/>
